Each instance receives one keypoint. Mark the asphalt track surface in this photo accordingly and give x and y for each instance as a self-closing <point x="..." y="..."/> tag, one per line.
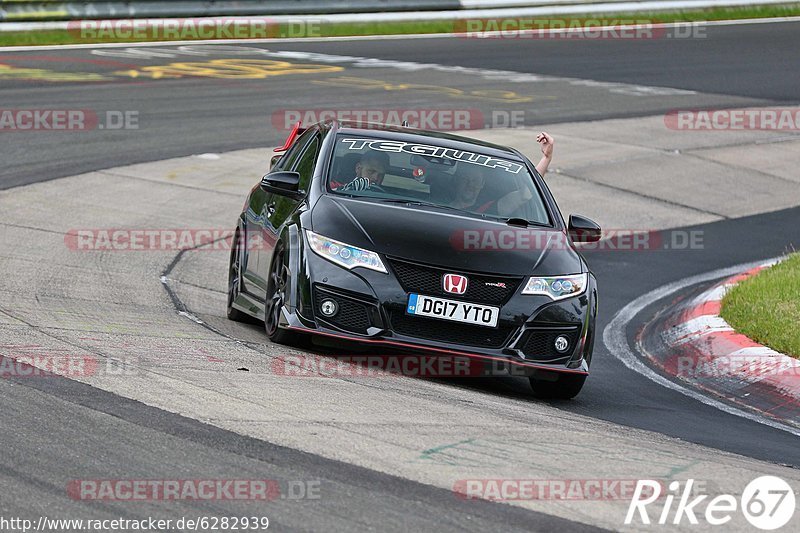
<point x="729" y="66"/>
<point x="733" y="66"/>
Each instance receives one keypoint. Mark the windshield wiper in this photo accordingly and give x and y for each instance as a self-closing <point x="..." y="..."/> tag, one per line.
<point x="524" y="223"/>
<point x="513" y="221"/>
<point x="418" y="202"/>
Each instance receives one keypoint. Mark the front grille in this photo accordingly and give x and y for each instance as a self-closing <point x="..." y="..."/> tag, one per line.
<point x="538" y="344"/>
<point x="444" y="331"/>
<point x="352" y="316"/>
<point x="425" y="279"/>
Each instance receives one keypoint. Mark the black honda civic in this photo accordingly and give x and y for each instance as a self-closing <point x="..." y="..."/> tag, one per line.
<point x="417" y="241"/>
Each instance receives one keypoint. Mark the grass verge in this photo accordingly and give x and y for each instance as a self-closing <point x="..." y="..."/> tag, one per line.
<point x="50" y="37"/>
<point x="766" y="307"/>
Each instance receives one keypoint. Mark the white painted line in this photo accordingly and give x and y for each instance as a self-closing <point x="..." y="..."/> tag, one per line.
<point x="718" y="292"/>
<point x="494" y="4"/>
<point x="199" y="49"/>
<point x="140" y="51"/>
<point x="715" y="294"/>
<point x="760" y="351"/>
<point x="417" y="16"/>
<point x="694" y="328"/>
<point x="704" y="323"/>
<point x="488" y="74"/>
<point x="616" y="340"/>
<point x="34" y="26"/>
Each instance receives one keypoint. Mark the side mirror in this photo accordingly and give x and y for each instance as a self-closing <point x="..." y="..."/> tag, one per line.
<point x="283" y="183"/>
<point x="581" y="229"/>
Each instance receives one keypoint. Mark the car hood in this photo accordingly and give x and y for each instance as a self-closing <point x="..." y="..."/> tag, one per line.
<point x="444" y="238"/>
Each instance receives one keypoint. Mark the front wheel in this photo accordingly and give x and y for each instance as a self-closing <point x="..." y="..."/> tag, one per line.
<point x="235" y="281"/>
<point x="277" y="286"/>
<point x="557" y="386"/>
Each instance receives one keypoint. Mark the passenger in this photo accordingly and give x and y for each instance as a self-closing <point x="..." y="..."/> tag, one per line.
<point x="546" y="141"/>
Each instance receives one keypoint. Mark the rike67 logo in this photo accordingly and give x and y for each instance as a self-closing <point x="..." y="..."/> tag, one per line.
<point x="767" y="502"/>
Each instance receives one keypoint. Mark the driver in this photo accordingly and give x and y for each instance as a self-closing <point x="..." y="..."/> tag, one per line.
<point x="469" y="186"/>
<point x="471" y="181"/>
<point x="370" y="171"/>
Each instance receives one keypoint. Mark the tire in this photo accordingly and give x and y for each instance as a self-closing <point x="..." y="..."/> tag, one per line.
<point x="564" y="387"/>
<point x="235" y="281"/>
<point x="276" y="299"/>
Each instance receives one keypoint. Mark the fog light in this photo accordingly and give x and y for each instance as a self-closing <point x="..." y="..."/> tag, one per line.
<point x="328" y="307"/>
<point x="561" y="344"/>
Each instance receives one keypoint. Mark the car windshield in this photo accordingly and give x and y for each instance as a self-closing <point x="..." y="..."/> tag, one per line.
<point x="435" y="176"/>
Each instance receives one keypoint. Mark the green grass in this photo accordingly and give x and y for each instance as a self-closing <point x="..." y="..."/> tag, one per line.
<point x="45" y="37"/>
<point x="766" y="307"/>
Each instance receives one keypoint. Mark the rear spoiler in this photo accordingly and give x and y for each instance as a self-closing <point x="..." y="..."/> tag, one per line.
<point x="297" y="130"/>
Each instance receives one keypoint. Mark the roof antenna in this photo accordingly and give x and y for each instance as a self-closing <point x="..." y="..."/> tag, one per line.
<point x="404" y="124"/>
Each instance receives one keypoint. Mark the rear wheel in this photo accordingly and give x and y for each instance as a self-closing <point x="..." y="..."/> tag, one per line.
<point x="277" y="285"/>
<point x="557" y="386"/>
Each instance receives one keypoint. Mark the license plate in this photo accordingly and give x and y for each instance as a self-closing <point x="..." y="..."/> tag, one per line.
<point x="481" y="315"/>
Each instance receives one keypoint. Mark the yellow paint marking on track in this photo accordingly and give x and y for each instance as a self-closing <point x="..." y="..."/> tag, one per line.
<point x="36" y="15"/>
<point x="501" y="95"/>
<point x="252" y="69"/>
<point x="493" y="95"/>
<point x="24" y="73"/>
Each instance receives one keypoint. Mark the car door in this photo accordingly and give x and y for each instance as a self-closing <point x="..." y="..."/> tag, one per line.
<point x="260" y="203"/>
<point x="277" y="209"/>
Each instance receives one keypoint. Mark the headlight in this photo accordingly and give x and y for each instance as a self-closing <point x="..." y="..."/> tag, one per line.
<point x="557" y="287"/>
<point x="343" y="254"/>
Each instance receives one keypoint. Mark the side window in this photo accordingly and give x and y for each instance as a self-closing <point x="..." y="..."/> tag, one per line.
<point x="288" y="159"/>
<point x="305" y="163"/>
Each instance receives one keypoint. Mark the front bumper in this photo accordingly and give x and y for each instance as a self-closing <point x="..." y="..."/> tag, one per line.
<point x="372" y="313"/>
